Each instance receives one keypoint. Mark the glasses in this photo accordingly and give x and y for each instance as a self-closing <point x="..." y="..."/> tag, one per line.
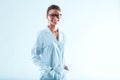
<point x="53" y="15"/>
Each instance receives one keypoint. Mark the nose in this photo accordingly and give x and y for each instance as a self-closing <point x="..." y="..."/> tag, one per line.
<point x="56" y="18"/>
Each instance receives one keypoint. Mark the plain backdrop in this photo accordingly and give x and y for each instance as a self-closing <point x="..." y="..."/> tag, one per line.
<point x="92" y="29"/>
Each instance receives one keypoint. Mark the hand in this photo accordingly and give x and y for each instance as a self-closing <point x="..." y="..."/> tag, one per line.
<point x="66" y="68"/>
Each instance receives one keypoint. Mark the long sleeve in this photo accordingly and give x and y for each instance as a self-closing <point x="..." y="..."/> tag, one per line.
<point x="37" y="51"/>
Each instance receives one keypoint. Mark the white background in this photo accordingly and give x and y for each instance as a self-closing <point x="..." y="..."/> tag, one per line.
<point x="92" y="29"/>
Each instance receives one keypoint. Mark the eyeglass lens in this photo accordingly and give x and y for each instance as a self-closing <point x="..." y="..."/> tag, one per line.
<point x="53" y="15"/>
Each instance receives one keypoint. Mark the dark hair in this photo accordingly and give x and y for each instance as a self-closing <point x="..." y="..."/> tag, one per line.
<point x="53" y="7"/>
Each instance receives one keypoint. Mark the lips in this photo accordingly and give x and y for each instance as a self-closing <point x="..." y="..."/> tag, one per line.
<point x="55" y="21"/>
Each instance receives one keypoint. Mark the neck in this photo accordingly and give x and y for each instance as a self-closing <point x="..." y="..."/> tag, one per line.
<point x="53" y="28"/>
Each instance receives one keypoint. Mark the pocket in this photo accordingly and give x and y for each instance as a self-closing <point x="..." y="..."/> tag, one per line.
<point x="48" y="75"/>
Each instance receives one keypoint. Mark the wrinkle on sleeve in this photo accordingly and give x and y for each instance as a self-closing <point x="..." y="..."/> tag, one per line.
<point x="37" y="52"/>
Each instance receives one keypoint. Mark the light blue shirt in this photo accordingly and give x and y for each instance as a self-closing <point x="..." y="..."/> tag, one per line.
<point x="48" y="52"/>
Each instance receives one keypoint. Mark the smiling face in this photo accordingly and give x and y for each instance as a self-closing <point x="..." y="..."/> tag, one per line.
<point x="53" y="17"/>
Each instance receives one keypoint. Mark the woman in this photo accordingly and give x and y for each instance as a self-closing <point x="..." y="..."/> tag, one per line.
<point x="48" y="52"/>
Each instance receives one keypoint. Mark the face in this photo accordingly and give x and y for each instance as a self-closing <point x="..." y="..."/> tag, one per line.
<point x="53" y="17"/>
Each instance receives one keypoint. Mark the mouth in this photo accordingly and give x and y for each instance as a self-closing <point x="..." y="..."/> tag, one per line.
<point x="55" y="21"/>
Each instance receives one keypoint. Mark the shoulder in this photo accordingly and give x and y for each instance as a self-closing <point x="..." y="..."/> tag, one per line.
<point x="62" y="33"/>
<point x="62" y="36"/>
<point x="42" y="32"/>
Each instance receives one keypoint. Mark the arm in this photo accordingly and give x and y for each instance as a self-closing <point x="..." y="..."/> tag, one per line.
<point x="37" y="51"/>
<point x="65" y="65"/>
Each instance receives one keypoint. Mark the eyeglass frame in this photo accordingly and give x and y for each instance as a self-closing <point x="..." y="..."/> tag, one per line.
<point x="53" y="15"/>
